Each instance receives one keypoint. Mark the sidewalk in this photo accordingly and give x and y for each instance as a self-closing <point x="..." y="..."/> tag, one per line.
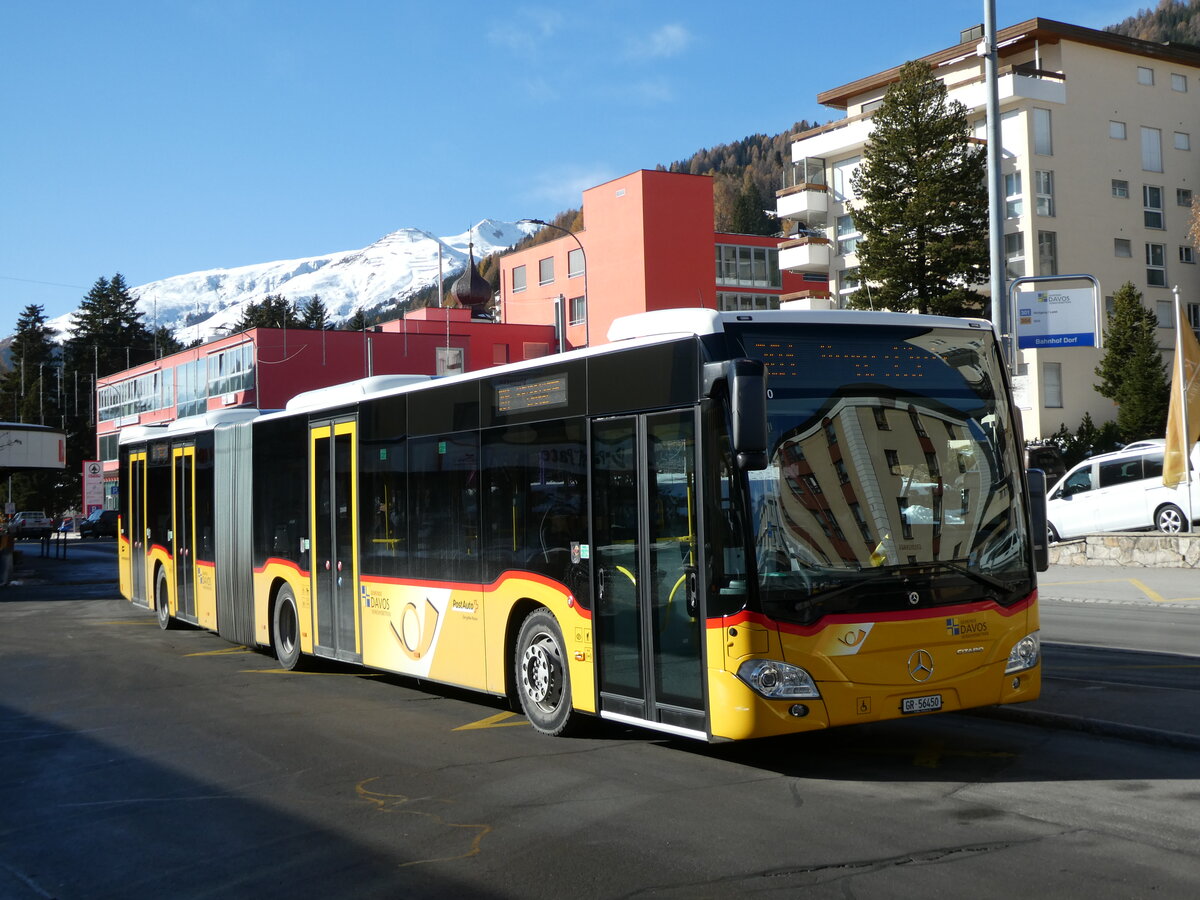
<point x="1163" y="716"/>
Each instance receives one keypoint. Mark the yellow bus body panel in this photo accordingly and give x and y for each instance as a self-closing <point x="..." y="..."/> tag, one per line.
<point x="265" y="578"/>
<point x="861" y="666"/>
<point x="457" y="633"/>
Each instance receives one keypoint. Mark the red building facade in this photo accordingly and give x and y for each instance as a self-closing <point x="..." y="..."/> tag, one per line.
<point x="647" y="243"/>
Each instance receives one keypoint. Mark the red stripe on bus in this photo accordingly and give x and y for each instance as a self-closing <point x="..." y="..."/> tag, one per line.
<point x="906" y="615"/>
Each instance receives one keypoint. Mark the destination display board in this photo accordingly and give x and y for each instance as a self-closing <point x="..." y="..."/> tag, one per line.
<point x="543" y="392"/>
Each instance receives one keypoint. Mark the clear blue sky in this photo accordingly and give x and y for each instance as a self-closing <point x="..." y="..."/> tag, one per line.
<point x="157" y="138"/>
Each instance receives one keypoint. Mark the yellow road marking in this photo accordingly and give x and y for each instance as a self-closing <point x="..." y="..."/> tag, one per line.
<point x="129" y="622"/>
<point x="399" y="803"/>
<point x="500" y="720"/>
<point x="1151" y="594"/>
<point x="224" y="652"/>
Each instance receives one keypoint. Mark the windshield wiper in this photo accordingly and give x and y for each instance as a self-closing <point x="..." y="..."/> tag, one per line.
<point x="957" y="566"/>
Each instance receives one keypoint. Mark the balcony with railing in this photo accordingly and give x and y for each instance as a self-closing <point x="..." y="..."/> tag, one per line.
<point x="805" y="193"/>
<point x="806" y="253"/>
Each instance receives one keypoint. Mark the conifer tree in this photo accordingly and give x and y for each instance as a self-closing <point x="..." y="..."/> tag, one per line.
<point x="1131" y="372"/>
<point x="921" y="204"/>
<point x="273" y="311"/>
<point x="108" y="333"/>
<point x="749" y="211"/>
<point x="32" y="348"/>
<point x="313" y="313"/>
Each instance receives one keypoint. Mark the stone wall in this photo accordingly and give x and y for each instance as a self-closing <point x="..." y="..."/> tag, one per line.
<point x="1129" y="549"/>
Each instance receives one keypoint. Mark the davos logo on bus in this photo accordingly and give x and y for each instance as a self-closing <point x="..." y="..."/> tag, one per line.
<point x="965" y="627"/>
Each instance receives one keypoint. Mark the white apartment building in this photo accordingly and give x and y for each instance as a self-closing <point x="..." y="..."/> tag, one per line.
<point x="1101" y="155"/>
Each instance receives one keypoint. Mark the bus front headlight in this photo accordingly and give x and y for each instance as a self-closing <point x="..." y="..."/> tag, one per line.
<point x="777" y="680"/>
<point x="1026" y="654"/>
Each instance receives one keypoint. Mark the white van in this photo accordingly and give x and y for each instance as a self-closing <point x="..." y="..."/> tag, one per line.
<point x="1122" y="491"/>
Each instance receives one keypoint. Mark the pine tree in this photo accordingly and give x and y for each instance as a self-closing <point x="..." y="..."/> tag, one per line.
<point x="749" y="211"/>
<point x="273" y="311"/>
<point x="922" y="202"/>
<point x="356" y="322"/>
<point x="1131" y="372"/>
<point x="108" y="333"/>
<point x="313" y="313"/>
<point x="32" y="348"/>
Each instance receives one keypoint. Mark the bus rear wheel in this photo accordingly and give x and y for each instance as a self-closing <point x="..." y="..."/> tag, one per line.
<point x="162" y="602"/>
<point x="285" y="629"/>
<point x="543" y="682"/>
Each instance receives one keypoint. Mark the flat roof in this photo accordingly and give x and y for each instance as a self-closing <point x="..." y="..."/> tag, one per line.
<point x="1017" y="37"/>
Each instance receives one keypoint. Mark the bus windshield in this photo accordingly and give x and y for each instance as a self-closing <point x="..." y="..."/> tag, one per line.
<point x="893" y="478"/>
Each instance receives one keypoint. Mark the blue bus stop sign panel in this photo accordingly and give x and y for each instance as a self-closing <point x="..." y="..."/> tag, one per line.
<point x="1056" y="319"/>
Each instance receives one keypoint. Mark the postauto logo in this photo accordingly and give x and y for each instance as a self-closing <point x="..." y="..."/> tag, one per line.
<point x="965" y="627"/>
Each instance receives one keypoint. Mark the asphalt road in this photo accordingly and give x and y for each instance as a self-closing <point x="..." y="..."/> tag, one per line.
<point x="142" y="763"/>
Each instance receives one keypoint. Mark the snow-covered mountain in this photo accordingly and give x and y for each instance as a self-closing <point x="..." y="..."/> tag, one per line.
<point x="205" y="304"/>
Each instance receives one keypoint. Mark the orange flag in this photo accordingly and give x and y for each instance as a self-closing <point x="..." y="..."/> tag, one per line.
<point x="1185" y="403"/>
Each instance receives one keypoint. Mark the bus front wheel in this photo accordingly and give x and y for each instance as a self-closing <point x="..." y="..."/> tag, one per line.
<point x="543" y="682"/>
<point x="162" y="603"/>
<point x="285" y="631"/>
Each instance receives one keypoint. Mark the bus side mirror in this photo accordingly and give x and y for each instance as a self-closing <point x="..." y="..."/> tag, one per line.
<point x="748" y="411"/>
<point x="1037" y="518"/>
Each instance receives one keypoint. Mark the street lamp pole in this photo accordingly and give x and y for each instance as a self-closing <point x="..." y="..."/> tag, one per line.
<point x="587" y="334"/>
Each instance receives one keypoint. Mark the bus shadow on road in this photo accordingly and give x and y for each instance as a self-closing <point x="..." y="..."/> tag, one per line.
<point x="86" y="818"/>
<point x="960" y="747"/>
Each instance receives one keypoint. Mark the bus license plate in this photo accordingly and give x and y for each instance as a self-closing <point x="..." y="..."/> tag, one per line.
<point x="921" y="704"/>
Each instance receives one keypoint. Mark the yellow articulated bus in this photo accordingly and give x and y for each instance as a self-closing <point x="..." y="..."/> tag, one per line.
<point x="719" y="526"/>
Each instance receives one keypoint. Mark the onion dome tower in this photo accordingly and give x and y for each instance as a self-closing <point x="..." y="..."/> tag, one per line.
<point x="472" y="290"/>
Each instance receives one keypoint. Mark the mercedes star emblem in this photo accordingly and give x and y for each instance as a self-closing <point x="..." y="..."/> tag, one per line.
<point x="920" y="665"/>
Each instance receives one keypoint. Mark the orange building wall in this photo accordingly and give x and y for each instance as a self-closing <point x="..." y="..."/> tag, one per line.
<point x="649" y="244"/>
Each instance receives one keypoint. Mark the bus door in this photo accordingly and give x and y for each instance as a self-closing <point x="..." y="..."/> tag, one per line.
<point x="333" y="517"/>
<point x="646" y="559"/>
<point x="137" y="530"/>
<point x="183" y="529"/>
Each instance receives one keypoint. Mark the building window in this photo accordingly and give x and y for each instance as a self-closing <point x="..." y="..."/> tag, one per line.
<point x="1145" y="75"/>
<point x="1120" y="188"/>
<point x="1043" y="143"/>
<point x="881" y="421"/>
<point x="848" y="282"/>
<point x="577" y="311"/>
<point x="1179" y="82"/>
<point x="1116" y="130"/>
<point x="728" y="301"/>
<point x="518" y="279"/>
<point x="1152" y="203"/>
<point x="546" y="270"/>
<point x="1193" y="317"/>
<point x="1052" y="397"/>
<point x="1165" y="313"/>
<point x="742" y="266"/>
<point x="575" y="263"/>
<point x="892" y="458"/>
<point x="1151" y="150"/>
<point x="1183" y="140"/>
<point x="1156" y="265"/>
<point x="847" y="235"/>
<point x="1187" y="255"/>
<point x="1122" y="248"/>
<point x="1183" y="197"/>
<point x="843" y="171"/>
<point x="1014" y="255"/>
<point x="1012" y="195"/>
<point x="1044" y="189"/>
<point x="1047" y="253"/>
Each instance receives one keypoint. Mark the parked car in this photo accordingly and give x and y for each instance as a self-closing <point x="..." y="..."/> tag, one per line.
<point x="1122" y="491"/>
<point x="30" y="524"/>
<point x="101" y="523"/>
<point x="1048" y="458"/>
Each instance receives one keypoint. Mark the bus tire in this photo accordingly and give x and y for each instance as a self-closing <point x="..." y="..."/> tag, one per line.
<point x="542" y="680"/>
<point x="162" y="601"/>
<point x="285" y="629"/>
